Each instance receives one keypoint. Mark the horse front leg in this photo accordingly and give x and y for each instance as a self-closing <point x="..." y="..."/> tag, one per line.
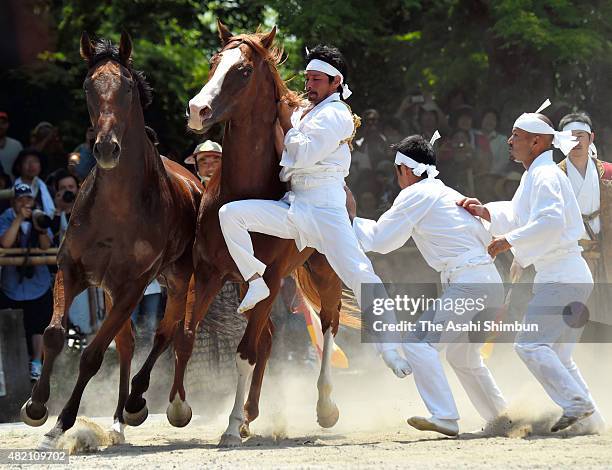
<point x="125" y="348"/>
<point x="91" y="359"/>
<point x="251" y="407"/>
<point x="67" y="286"/>
<point x="246" y="360"/>
<point x="205" y="286"/>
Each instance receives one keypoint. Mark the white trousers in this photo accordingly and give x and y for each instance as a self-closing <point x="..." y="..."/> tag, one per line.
<point x="475" y="282"/>
<point x="548" y="352"/>
<point x="329" y="226"/>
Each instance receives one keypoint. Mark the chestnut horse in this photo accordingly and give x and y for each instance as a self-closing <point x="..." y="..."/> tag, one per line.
<point x="134" y="219"/>
<point x="243" y="90"/>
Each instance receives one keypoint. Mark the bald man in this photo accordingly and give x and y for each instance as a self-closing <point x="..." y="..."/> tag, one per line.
<point x="542" y="225"/>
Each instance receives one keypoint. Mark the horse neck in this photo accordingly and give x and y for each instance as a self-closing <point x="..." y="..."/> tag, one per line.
<point x="249" y="164"/>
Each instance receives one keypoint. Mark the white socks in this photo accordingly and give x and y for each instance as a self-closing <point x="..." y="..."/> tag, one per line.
<point x="258" y="291"/>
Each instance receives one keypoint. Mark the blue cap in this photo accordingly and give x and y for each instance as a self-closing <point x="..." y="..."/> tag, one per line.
<point x="22" y="190"/>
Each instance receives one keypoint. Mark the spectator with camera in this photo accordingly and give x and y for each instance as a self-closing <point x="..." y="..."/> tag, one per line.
<point x="65" y="187"/>
<point x="28" y="166"/>
<point x="27" y="287"/>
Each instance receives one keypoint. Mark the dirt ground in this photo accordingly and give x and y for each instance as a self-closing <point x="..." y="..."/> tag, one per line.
<point x="372" y="431"/>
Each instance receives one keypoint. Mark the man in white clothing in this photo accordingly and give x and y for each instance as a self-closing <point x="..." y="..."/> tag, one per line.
<point x="542" y="225"/>
<point x="454" y="244"/>
<point x="315" y="160"/>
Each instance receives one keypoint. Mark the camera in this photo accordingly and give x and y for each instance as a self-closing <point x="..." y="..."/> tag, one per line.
<point x="40" y="220"/>
<point x="68" y="197"/>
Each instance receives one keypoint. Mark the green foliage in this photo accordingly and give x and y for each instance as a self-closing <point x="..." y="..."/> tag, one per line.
<point x="505" y="53"/>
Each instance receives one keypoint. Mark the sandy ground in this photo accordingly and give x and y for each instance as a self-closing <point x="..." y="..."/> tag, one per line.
<point x="372" y="431"/>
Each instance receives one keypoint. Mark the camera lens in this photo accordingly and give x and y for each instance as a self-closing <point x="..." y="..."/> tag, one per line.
<point x="41" y="220"/>
<point x="68" y="196"/>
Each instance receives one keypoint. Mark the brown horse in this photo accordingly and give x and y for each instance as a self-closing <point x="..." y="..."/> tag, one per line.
<point x="242" y="91"/>
<point x="134" y="219"/>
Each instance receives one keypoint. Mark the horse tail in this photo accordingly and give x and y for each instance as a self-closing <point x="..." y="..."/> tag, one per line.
<point x="350" y="314"/>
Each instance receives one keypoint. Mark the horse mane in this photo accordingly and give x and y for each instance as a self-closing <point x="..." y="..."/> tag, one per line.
<point x="104" y="49"/>
<point x="273" y="57"/>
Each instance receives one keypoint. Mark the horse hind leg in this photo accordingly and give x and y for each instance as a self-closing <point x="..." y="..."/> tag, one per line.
<point x="67" y="285"/>
<point x="136" y="411"/>
<point x="329" y="288"/>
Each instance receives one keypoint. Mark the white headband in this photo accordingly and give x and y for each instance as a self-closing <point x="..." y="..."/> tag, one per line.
<point x="582" y="126"/>
<point x="530" y="122"/>
<point x="577" y="126"/>
<point x="419" y="168"/>
<point x="317" y="65"/>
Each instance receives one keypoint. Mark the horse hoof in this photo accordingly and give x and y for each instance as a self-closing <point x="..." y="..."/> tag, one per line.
<point x="50" y="440"/>
<point x="32" y="421"/>
<point x="229" y="441"/>
<point x="136" y="419"/>
<point x="178" y="413"/>
<point x="327" y="416"/>
<point x="115" y="433"/>
<point x="244" y="430"/>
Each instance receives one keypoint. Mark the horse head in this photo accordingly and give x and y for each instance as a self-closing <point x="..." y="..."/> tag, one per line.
<point x="113" y="92"/>
<point x="238" y="76"/>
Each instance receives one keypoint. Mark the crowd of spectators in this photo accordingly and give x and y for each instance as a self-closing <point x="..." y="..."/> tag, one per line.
<point x="472" y="155"/>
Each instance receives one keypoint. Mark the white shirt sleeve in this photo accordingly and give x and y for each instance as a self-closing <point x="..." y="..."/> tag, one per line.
<point x="503" y="219"/>
<point x="394" y="227"/>
<point x="546" y="222"/>
<point x="317" y="139"/>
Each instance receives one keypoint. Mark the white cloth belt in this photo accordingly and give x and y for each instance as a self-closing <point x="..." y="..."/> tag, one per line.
<point x="311" y="177"/>
<point x="474" y="257"/>
<point x="541" y="263"/>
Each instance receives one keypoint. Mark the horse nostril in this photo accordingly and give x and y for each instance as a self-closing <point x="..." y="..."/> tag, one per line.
<point x="96" y="150"/>
<point x="205" y="112"/>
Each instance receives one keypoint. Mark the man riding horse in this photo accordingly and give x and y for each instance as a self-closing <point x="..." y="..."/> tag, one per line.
<point x="315" y="160"/>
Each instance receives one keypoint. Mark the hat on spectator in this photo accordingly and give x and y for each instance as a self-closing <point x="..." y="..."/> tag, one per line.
<point x="207" y="146"/>
<point x="22" y="190"/>
<point x="42" y="125"/>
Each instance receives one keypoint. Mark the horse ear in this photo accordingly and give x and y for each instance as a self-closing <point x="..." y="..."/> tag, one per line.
<point x="224" y="33"/>
<point x="87" y="49"/>
<point x="125" y="47"/>
<point x="269" y="38"/>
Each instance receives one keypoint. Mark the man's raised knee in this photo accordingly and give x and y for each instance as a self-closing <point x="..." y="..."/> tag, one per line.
<point x="228" y="211"/>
